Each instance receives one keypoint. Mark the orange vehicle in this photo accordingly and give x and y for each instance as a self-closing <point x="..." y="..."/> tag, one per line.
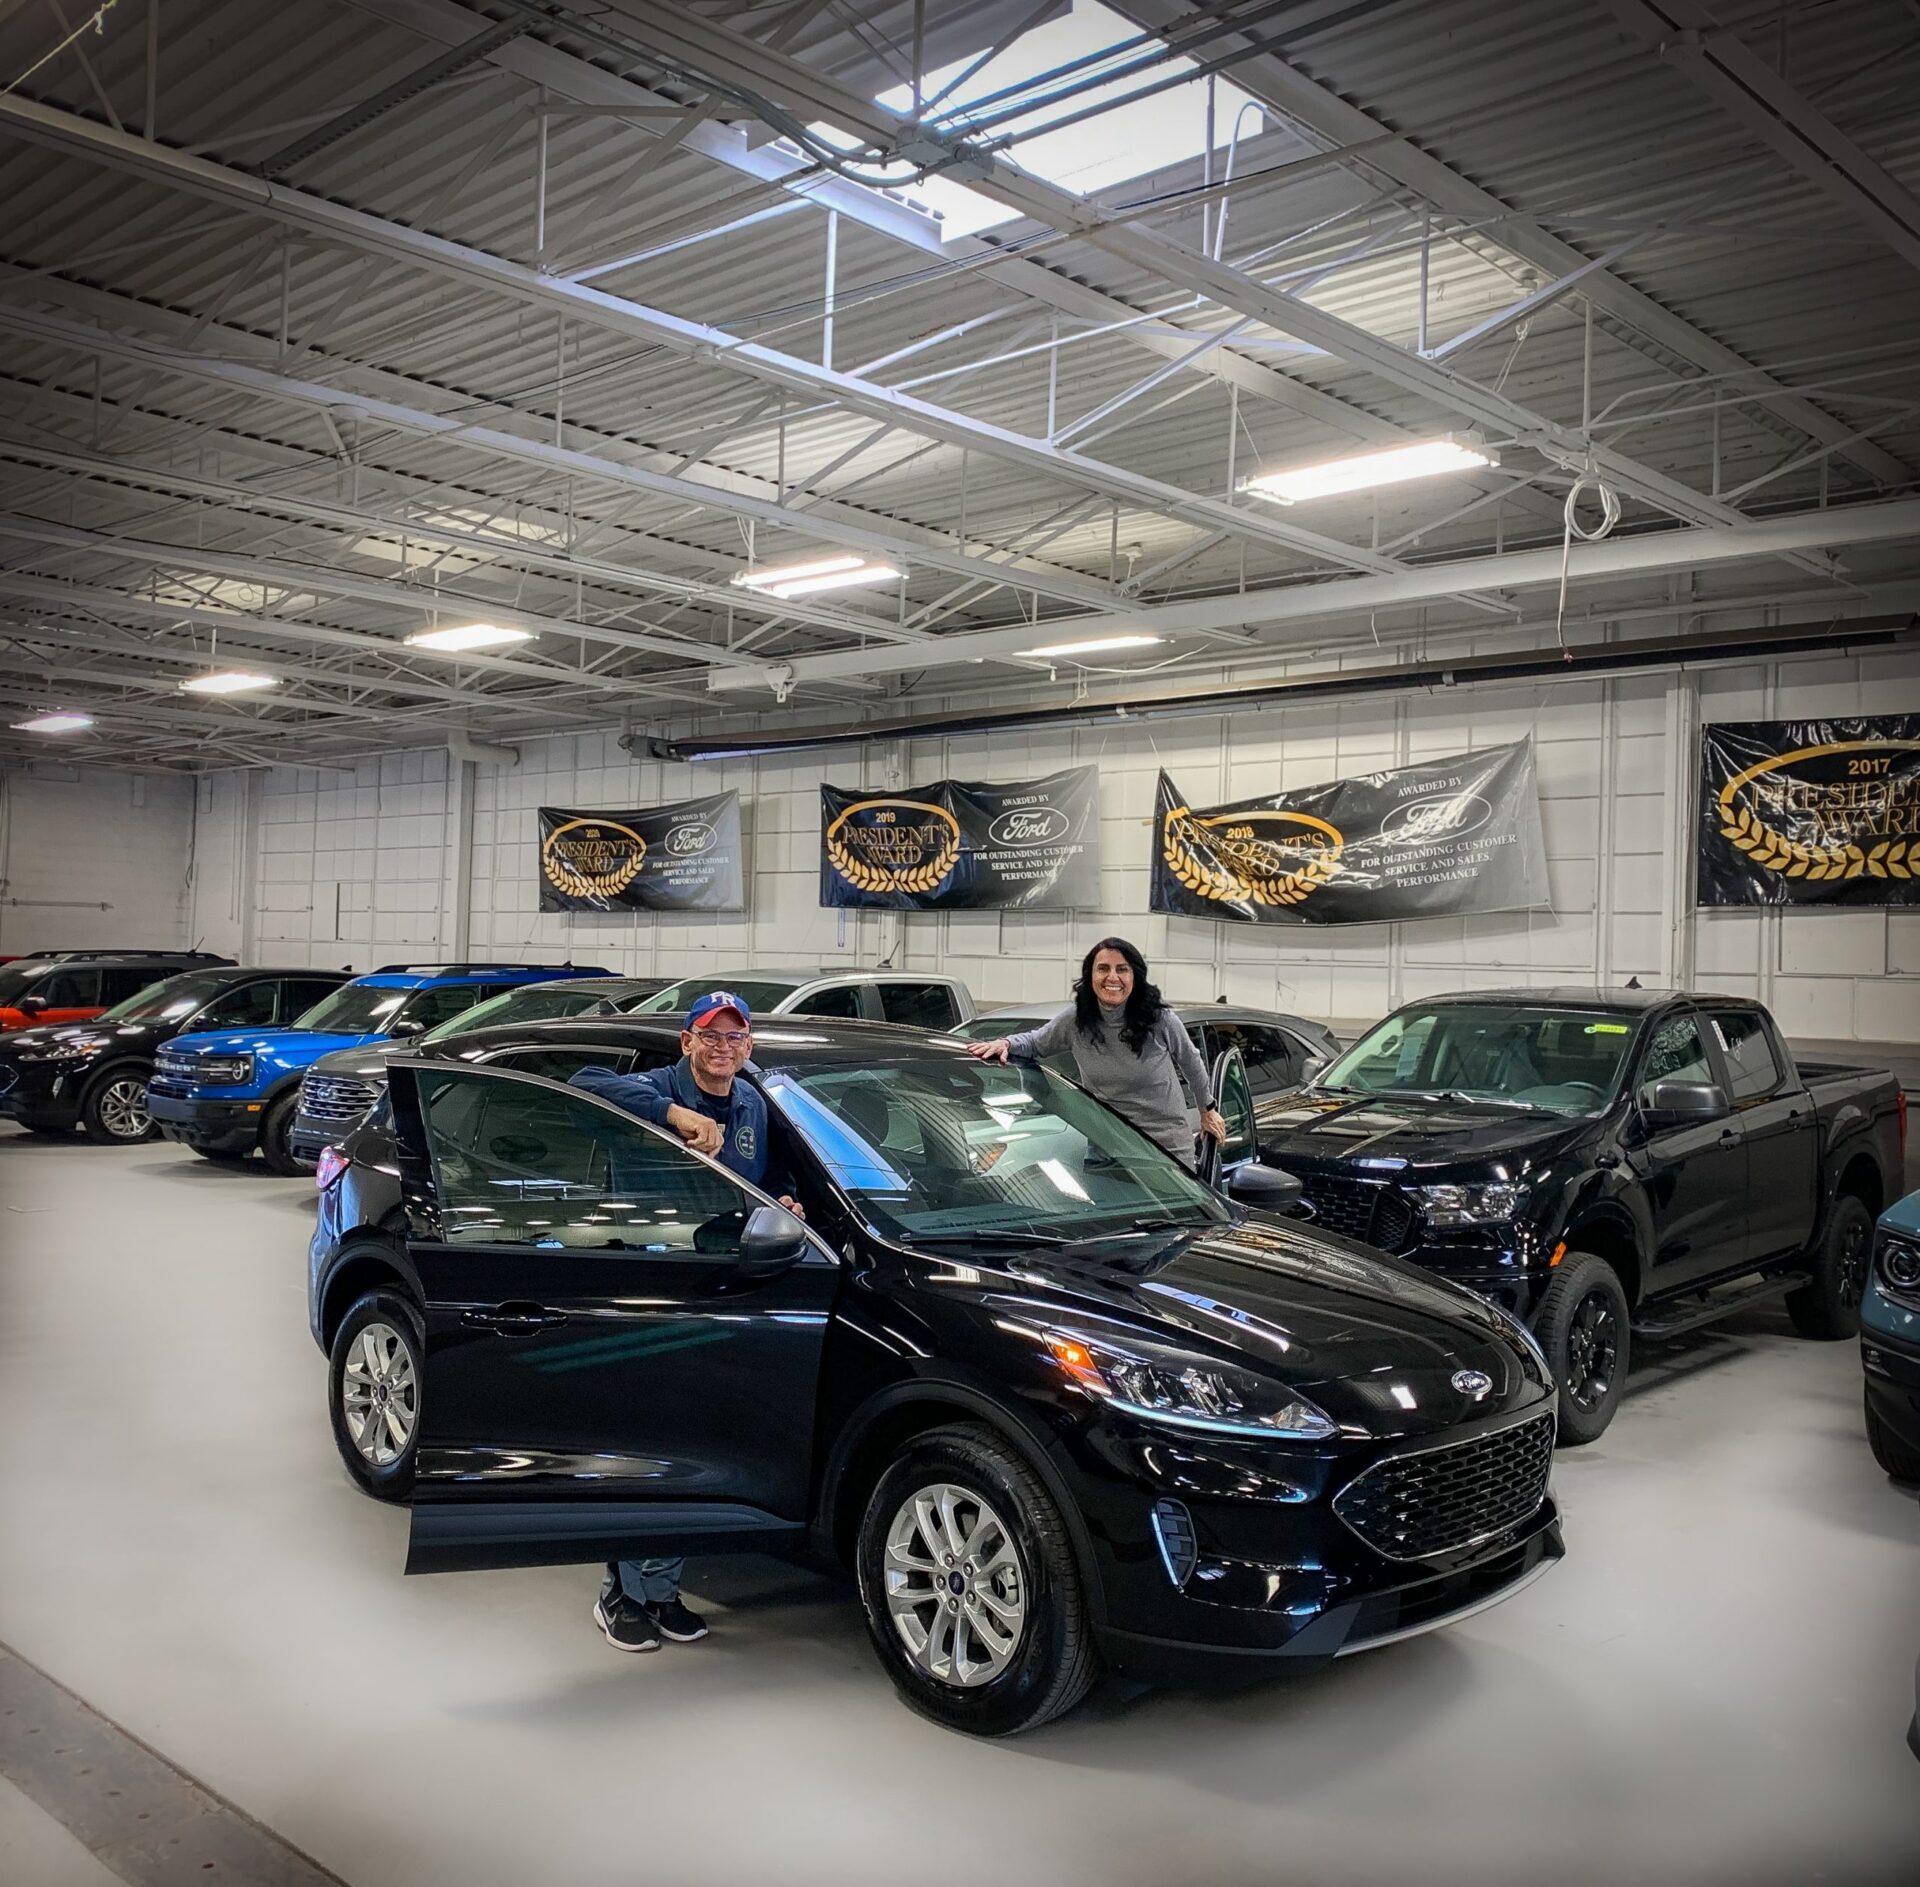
<point x="35" y="991"/>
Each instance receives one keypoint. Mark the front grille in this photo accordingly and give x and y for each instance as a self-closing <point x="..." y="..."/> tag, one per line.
<point x="1370" y="1210"/>
<point x="172" y="1077"/>
<point x="1440" y="1500"/>
<point x="336" y="1097"/>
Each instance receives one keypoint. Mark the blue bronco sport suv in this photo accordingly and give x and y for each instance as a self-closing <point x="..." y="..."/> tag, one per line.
<point x="224" y="1094"/>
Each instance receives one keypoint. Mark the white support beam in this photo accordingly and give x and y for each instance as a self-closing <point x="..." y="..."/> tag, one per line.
<point x="1322" y="113"/>
<point x="700" y="341"/>
<point x="1891" y="521"/>
<point x="1755" y="96"/>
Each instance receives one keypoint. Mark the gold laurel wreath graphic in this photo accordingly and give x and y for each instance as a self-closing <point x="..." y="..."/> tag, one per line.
<point x="878" y="878"/>
<point x="571" y="881"/>
<point x="1747" y="832"/>
<point x="1222" y="886"/>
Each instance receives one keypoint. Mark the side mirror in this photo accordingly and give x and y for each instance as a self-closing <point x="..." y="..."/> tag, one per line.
<point x="31" y="1005"/>
<point x="403" y="1031"/>
<point x="771" y="1241"/>
<point x="1684" y="1104"/>
<point x="1266" y="1187"/>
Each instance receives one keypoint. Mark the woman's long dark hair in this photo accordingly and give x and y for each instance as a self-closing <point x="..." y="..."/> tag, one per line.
<point x="1144" y="1004"/>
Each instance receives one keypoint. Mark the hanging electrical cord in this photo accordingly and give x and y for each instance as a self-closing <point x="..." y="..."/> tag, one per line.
<point x="1588" y="480"/>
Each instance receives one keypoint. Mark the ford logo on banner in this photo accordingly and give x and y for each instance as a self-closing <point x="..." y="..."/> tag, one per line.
<point x="1438" y="816"/>
<point x="1030" y="825"/>
<point x="691" y="839"/>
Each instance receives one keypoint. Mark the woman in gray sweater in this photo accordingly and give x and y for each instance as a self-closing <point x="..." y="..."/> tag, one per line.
<point x="1129" y="1049"/>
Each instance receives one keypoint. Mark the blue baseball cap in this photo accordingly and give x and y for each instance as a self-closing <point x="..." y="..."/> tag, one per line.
<point x="713" y="1002"/>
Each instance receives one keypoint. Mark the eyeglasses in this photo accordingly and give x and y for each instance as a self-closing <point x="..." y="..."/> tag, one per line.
<point x="727" y="1038"/>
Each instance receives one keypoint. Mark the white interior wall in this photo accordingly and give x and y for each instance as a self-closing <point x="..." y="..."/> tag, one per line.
<point x="94" y="858"/>
<point x="353" y="867"/>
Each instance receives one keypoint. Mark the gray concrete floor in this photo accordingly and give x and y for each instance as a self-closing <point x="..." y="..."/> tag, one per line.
<point x="1713" y="1687"/>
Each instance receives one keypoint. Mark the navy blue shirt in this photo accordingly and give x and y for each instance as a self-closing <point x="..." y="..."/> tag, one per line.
<point x="742" y="1114"/>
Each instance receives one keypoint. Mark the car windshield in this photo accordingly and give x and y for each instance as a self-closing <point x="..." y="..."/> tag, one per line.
<point x="943" y="1149"/>
<point x="1565" y="1061"/>
<point x="535" y="1002"/>
<point x="172" y="1001"/>
<point x="355" y="1009"/>
<point x="18" y="979"/>
<point x="759" y="993"/>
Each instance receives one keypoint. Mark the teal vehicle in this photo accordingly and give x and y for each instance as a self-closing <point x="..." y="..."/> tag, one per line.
<point x="1890" y="1340"/>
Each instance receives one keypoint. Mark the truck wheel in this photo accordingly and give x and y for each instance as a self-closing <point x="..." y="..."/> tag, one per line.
<point x="1897" y="1460"/>
<point x="970" y="1587"/>
<point x="114" y="1108"/>
<point x="373" y="1392"/>
<point x="274" y="1131"/>
<point x="1828" y="1304"/>
<point x="1582" y="1327"/>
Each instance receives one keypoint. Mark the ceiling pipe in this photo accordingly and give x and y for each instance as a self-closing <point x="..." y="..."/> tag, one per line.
<point x="1536" y="665"/>
<point x="480" y="753"/>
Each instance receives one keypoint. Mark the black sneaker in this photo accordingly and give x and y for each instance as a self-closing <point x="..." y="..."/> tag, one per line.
<point x="676" y="1622"/>
<point x="629" y="1627"/>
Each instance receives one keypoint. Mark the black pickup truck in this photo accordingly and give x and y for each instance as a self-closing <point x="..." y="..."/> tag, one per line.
<point x="1605" y="1164"/>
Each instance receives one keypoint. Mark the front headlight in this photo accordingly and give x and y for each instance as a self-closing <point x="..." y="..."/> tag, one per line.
<point x="56" y="1051"/>
<point x="224" y="1071"/>
<point x="1900" y="1262"/>
<point x="1158" y="1383"/>
<point x="1470" y="1205"/>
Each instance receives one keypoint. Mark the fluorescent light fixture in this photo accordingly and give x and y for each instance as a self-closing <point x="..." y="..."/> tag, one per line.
<point x="227" y="681"/>
<point x="459" y="637"/>
<point x="1426" y="458"/>
<point x="54" y="724"/>
<point x="842" y="572"/>
<point x="1098" y="645"/>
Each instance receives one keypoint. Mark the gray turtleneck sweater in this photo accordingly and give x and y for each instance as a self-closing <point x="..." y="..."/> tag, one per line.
<point x="1144" y="1087"/>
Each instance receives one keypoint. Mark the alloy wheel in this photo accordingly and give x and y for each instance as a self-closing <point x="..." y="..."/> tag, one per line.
<point x="379" y="1394"/>
<point x="123" y="1109"/>
<point x="955" y="1588"/>
<point x="1593" y="1351"/>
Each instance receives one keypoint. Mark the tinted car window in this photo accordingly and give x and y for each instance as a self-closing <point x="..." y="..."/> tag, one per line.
<point x="1274" y="1059"/>
<point x="536" y="1002"/>
<point x="354" y="1009"/>
<point x="172" y="1001"/>
<point x="1752" y="1068"/>
<point x="69" y="989"/>
<point x="759" y="993"/>
<point x="248" y="1006"/>
<point x="1677" y="1052"/>
<point x="919" y="1005"/>
<point x="843" y="1001"/>
<point x="1236" y="1108"/>
<point x="118" y="985"/>
<point x="557" y="1064"/>
<point x="431" y="1007"/>
<point x="302" y="992"/>
<point x="517" y="1165"/>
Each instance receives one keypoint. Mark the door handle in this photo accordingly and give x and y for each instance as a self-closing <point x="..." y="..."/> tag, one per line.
<point x="513" y="1320"/>
<point x="1728" y="1135"/>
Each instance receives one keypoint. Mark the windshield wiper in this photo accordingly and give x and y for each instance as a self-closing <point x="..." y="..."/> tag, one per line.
<point x="1483" y="1100"/>
<point x="987" y="1235"/>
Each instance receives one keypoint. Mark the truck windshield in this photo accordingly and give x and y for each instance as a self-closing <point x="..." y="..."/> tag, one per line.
<point x="759" y="993"/>
<point x="1566" y="1061"/>
<point x="172" y="1001"/>
<point x="355" y="1009"/>
<point x="948" y="1148"/>
<point x="537" y="1002"/>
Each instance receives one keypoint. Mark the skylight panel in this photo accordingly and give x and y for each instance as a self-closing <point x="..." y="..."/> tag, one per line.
<point x="1091" y="155"/>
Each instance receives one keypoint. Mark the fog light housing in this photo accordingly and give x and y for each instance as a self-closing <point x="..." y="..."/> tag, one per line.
<point x="1173" y="1534"/>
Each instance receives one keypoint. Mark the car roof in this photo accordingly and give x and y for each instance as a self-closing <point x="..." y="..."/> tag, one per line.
<point x="507" y="975"/>
<point x="1569" y="996"/>
<point x="783" y="1041"/>
<point x="1187" y="1012"/>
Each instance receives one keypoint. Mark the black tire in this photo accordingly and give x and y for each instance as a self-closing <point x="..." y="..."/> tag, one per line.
<point x="274" y="1132"/>
<point x="1894" y="1457"/>
<point x="1051" y="1661"/>
<point x="220" y="1156"/>
<point x="115" y="1100"/>
<point x="47" y="1127"/>
<point x="1583" y="1328"/>
<point x="1828" y="1304"/>
<point x="397" y="1327"/>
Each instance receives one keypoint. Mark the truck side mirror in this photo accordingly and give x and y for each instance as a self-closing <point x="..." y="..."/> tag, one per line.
<point x="1684" y="1104"/>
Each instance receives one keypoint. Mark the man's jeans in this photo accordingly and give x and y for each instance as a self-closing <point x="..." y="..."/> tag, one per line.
<point x="646" y="1581"/>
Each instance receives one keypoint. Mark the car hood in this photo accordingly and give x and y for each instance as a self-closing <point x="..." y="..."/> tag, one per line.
<point x="1311" y="1127"/>
<point x="1375" y="1343"/>
<point x="55" y="1034"/>
<point x="282" y="1044"/>
<point x="363" y="1059"/>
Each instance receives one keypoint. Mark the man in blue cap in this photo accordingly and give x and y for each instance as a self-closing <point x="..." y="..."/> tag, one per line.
<point x="725" y="1119"/>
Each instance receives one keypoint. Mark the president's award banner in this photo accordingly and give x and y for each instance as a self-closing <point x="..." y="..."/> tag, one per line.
<point x="963" y="845"/>
<point x="1810" y="812"/>
<point x="1434" y="840"/>
<point x="685" y="857"/>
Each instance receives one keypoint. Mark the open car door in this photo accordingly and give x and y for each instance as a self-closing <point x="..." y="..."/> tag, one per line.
<point x="1221" y="1159"/>
<point x="623" y="1339"/>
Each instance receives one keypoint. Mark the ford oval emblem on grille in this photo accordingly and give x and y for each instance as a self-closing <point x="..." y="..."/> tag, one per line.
<point x="1472" y="1383"/>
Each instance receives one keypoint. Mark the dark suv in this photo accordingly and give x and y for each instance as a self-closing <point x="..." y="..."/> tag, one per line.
<point x="41" y="991"/>
<point x="95" y="1074"/>
<point x="1057" y="1402"/>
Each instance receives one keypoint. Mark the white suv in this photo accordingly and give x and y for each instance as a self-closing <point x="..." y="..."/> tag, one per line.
<point x="909" y="998"/>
